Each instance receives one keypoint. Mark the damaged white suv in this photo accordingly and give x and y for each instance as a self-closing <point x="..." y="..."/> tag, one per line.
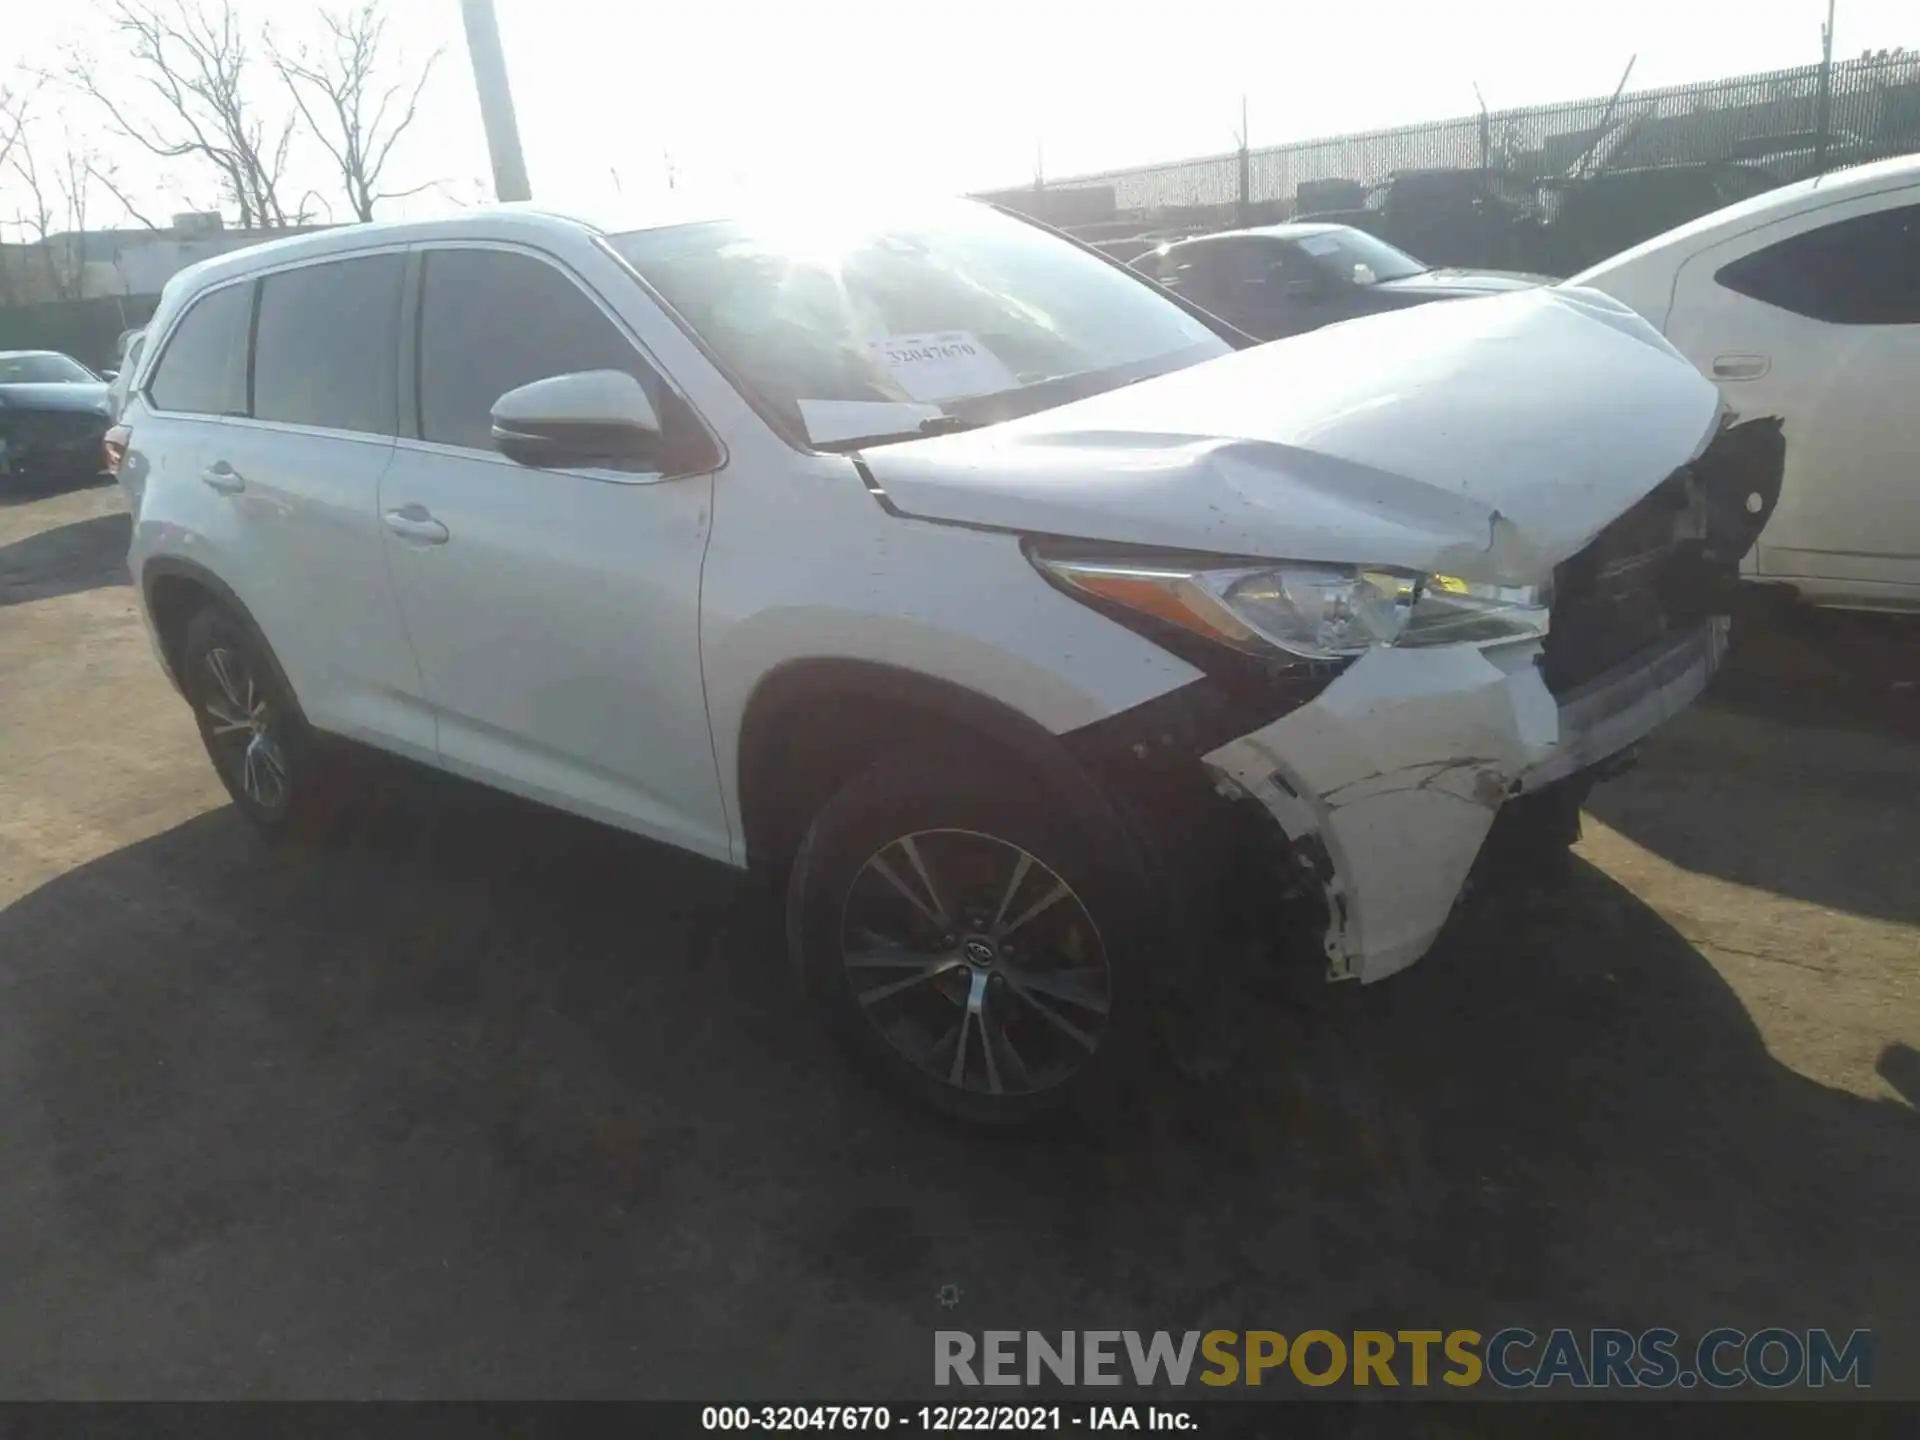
<point x="1029" y="626"/>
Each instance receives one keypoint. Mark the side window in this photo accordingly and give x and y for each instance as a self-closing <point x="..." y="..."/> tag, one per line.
<point x="324" y="345"/>
<point x="204" y="368"/>
<point x="1150" y="265"/>
<point x="1240" y="272"/>
<point x="1862" y="271"/>
<point x="493" y="320"/>
<point x="1194" y="271"/>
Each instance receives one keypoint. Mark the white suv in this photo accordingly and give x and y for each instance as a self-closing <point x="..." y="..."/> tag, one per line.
<point x="1804" y="304"/>
<point x="1028" y="625"/>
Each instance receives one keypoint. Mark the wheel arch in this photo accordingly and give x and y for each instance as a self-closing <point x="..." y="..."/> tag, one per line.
<point x="852" y="713"/>
<point x="174" y="588"/>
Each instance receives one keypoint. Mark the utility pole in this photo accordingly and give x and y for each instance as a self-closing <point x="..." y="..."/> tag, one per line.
<point x="1826" y="92"/>
<point x="496" y="101"/>
<point x="1243" y="210"/>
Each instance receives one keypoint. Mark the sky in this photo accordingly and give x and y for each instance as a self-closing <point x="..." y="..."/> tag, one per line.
<point x="613" y="96"/>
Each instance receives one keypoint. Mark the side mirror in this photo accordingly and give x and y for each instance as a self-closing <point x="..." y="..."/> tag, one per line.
<point x="590" y="417"/>
<point x="109" y="375"/>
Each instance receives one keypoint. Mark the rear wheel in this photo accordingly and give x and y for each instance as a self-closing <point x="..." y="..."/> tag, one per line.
<point x="973" y="937"/>
<point x="261" y="747"/>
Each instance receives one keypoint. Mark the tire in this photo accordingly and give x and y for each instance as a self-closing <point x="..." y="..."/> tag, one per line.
<point x="266" y="755"/>
<point x="1031" y="996"/>
<point x="1533" y="836"/>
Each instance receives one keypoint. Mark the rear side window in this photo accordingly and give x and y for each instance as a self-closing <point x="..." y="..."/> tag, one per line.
<point x="493" y="320"/>
<point x="1863" y="271"/>
<point x="325" y="344"/>
<point x="204" y="368"/>
<point x="1195" y="271"/>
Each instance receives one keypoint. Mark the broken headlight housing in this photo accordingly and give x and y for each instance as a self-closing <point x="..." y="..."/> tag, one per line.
<point x="1309" y="612"/>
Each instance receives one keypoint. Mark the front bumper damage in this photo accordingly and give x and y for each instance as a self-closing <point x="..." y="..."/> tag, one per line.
<point x="1387" y="783"/>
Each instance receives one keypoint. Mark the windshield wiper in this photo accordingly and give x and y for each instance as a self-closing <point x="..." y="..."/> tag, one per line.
<point x="948" y="424"/>
<point x="932" y="425"/>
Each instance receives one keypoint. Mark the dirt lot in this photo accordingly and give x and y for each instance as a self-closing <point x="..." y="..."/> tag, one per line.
<point x="491" y="1102"/>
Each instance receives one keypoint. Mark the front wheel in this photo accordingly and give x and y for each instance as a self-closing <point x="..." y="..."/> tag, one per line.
<point x="974" y="937"/>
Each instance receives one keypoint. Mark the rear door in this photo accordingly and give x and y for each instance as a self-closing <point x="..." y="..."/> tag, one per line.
<point x="555" y="613"/>
<point x="1817" y="320"/>
<point x="278" y="398"/>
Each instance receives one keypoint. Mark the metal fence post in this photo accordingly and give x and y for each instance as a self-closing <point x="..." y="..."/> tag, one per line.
<point x="1245" y="211"/>
<point x="1825" y="108"/>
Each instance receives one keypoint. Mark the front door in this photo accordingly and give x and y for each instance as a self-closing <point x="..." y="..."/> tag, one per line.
<point x="554" y="613"/>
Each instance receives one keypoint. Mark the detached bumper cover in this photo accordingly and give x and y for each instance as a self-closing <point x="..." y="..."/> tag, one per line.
<point x="1388" y="781"/>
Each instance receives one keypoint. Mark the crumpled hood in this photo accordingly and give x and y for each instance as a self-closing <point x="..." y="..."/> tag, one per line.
<point x="1488" y="441"/>
<point x="76" y="395"/>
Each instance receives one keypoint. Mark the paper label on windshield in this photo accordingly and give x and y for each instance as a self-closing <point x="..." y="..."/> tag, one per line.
<point x="941" y="365"/>
<point x="1319" y="244"/>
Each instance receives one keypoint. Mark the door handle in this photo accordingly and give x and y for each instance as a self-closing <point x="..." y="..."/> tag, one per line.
<point x="1740" y="367"/>
<point x="223" y="477"/>
<point x="413" y="522"/>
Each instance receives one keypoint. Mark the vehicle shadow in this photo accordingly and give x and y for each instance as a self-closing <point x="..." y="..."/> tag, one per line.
<point x="1835" y="669"/>
<point x="18" y="492"/>
<point x="484" y="1101"/>
<point x="1798" y="773"/>
<point x="81" y="555"/>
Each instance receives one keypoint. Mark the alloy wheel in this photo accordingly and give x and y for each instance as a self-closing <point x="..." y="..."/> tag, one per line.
<point x="975" y="962"/>
<point x="241" y="729"/>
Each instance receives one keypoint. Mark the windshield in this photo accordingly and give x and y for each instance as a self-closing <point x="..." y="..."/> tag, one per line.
<point x="1358" y="258"/>
<point x="43" y="368"/>
<point x="954" y="315"/>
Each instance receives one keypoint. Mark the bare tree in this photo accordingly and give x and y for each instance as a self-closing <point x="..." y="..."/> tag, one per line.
<point x="351" y="95"/>
<point x="193" y="97"/>
<point x="13" y="119"/>
<point x="108" y="174"/>
<point x="13" y="125"/>
<point x="56" y="186"/>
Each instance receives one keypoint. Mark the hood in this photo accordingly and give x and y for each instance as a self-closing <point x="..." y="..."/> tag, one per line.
<point x="81" y="395"/>
<point x="1488" y="441"/>
<point x="1446" y="284"/>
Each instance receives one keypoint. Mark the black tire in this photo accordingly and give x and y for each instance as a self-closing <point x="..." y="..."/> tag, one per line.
<point x="1533" y="836"/>
<point x="969" y="819"/>
<point x="275" y="769"/>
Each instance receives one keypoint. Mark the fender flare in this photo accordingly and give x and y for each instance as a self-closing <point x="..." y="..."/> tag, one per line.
<point x="172" y="567"/>
<point x="793" y="685"/>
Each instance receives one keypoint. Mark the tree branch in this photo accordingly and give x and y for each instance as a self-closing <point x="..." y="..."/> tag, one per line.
<point x="333" y="85"/>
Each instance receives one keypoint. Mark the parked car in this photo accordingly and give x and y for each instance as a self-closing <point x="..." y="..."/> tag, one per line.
<point x="120" y="380"/>
<point x="53" y="413"/>
<point x="1451" y="216"/>
<point x="996" y="603"/>
<point x="1285" y="279"/>
<point x="1804" y="303"/>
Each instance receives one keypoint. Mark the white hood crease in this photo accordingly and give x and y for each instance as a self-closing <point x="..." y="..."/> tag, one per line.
<point x="1488" y="439"/>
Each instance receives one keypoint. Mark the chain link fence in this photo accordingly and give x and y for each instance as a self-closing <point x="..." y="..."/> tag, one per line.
<point x="1754" y="131"/>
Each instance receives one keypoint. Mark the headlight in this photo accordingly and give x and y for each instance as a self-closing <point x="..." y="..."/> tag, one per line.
<point x="1457" y="612"/>
<point x="1312" y="612"/>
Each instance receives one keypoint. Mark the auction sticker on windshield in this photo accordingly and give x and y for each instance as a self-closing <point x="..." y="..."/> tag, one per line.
<point x="942" y="365"/>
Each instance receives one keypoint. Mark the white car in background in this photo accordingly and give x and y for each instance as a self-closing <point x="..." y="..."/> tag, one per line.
<point x="1804" y="304"/>
<point x="1032" y="628"/>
